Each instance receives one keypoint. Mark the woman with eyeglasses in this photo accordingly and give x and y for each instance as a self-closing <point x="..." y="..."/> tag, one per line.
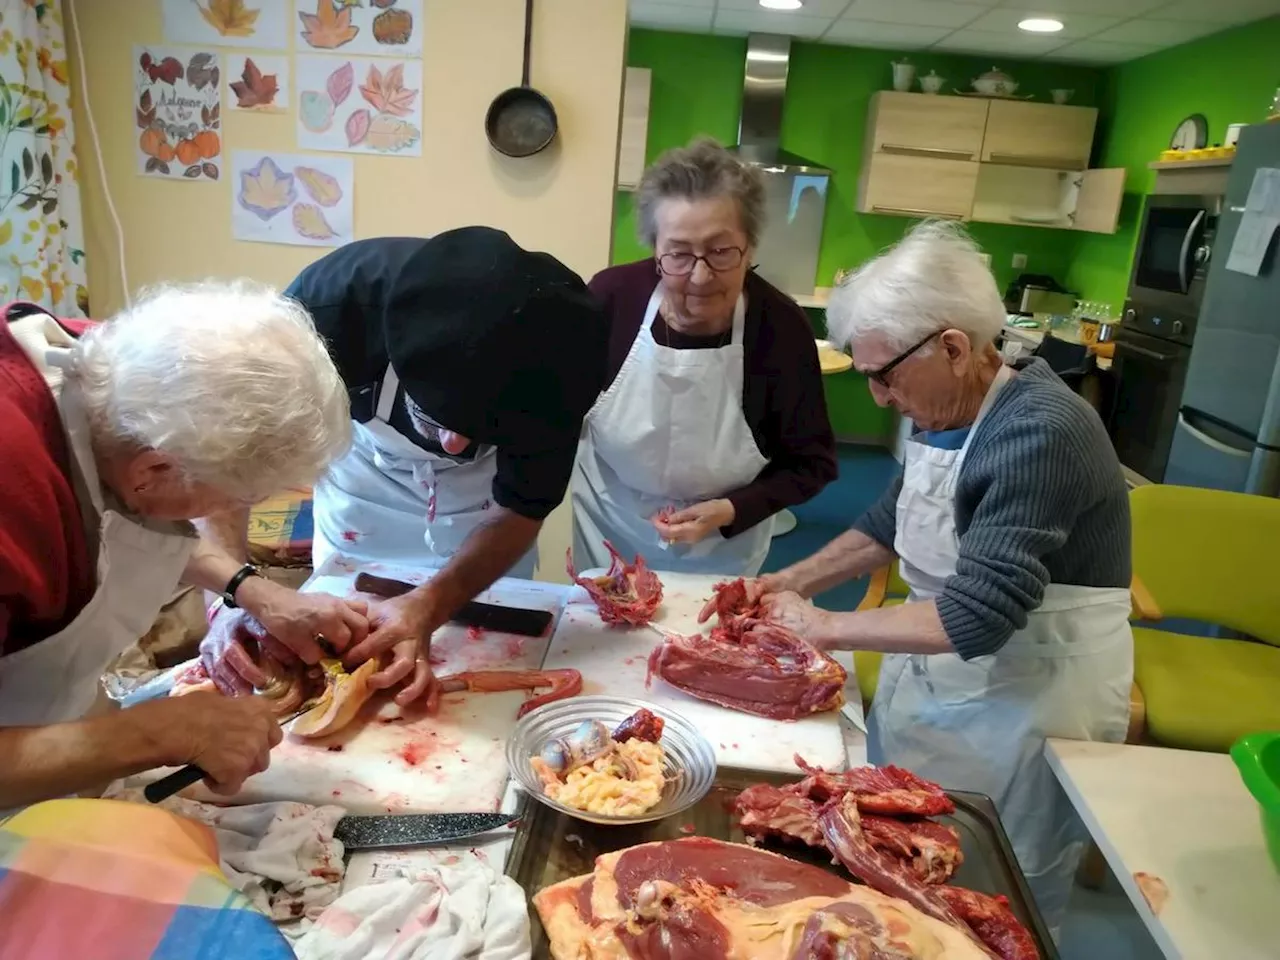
<point x="1010" y="524"/>
<point x="713" y="418"/>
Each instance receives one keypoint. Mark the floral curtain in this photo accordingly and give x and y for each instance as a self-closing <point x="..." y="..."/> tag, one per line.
<point x="41" y="232"/>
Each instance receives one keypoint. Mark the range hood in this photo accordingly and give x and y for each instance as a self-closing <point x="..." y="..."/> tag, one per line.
<point x="765" y="86"/>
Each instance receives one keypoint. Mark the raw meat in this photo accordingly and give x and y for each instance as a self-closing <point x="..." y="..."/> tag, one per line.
<point x="886" y="790"/>
<point x="931" y="850"/>
<point x="700" y="899"/>
<point x="641" y="725"/>
<point x="993" y="922"/>
<point x="563" y="683"/>
<point x="628" y="594"/>
<point x="763" y="669"/>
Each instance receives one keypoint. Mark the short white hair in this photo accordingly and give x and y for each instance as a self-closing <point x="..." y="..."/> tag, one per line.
<point x="231" y="380"/>
<point x="933" y="279"/>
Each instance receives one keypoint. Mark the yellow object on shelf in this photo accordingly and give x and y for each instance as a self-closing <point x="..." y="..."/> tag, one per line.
<point x="1168" y="155"/>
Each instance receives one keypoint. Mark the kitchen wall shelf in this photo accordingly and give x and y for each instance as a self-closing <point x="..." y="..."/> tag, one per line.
<point x="1189" y="164"/>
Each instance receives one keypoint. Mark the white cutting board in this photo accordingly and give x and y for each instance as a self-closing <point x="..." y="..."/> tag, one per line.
<point x="615" y="661"/>
<point x="383" y="763"/>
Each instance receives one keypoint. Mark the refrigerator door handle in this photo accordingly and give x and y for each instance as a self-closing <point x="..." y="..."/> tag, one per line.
<point x="1186" y="251"/>
<point x="1210" y="442"/>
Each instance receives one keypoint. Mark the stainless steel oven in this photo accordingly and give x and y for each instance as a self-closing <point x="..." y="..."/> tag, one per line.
<point x="1175" y="242"/>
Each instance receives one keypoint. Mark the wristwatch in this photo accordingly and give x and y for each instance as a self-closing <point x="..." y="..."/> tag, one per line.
<point x="244" y="573"/>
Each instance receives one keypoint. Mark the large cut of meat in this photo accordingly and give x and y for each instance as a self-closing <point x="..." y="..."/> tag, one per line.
<point x="874" y="821"/>
<point x="628" y="594"/>
<point x="700" y="899"/>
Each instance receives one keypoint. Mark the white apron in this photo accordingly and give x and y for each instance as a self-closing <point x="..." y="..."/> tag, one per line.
<point x="58" y="678"/>
<point x="389" y="501"/>
<point x="669" y="431"/>
<point x="980" y="725"/>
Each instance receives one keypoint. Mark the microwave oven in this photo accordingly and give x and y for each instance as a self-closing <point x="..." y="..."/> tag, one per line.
<point x="1171" y="261"/>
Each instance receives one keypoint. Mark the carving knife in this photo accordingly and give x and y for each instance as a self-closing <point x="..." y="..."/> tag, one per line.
<point x="520" y="621"/>
<point x="416" y="829"/>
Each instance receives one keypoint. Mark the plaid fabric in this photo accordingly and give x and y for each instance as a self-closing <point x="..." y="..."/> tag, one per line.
<point x="104" y="880"/>
<point x="280" y="530"/>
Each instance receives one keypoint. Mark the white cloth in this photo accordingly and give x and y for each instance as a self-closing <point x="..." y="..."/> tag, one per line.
<point x="669" y="431"/>
<point x="138" y="569"/>
<point x="456" y="912"/>
<point x="390" y="501"/>
<point x="281" y="856"/>
<point x="980" y="725"/>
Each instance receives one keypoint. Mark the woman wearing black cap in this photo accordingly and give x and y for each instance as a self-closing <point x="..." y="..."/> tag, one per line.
<point x="470" y="364"/>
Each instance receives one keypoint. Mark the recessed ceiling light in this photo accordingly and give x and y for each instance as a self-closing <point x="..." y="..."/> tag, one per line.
<point x="1035" y="24"/>
<point x="782" y="4"/>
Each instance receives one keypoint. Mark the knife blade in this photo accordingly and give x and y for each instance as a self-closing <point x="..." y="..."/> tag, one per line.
<point x="415" y="829"/>
<point x="520" y="621"/>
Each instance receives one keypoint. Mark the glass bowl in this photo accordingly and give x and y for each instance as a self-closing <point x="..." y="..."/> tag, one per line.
<point x="689" y="760"/>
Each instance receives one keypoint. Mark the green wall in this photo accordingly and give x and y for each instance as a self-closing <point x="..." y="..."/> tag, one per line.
<point x="1230" y="77"/>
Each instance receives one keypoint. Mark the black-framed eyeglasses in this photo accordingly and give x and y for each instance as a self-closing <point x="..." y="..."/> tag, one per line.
<point x="881" y="376"/>
<point x="717" y="259"/>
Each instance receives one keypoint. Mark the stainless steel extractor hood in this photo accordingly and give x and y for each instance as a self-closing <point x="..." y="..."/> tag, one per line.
<point x="764" y="88"/>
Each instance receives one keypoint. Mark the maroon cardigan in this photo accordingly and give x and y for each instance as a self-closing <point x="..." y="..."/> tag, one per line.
<point x="782" y="396"/>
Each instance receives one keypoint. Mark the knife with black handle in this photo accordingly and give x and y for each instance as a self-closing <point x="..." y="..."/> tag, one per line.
<point x="520" y="621"/>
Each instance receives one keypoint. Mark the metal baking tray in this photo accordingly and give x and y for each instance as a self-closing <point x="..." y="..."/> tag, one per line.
<point x="551" y="846"/>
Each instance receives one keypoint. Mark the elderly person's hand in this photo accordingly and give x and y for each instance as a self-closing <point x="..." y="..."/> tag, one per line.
<point x="401" y="629"/>
<point x="796" y="614"/>
<point x="694" y="523"/>
<point x="229" y="738"/>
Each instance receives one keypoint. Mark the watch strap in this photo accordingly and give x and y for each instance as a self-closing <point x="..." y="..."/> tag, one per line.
<point x="241" y="575"/>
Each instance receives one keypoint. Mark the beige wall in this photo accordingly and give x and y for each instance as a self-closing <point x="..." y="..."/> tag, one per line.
<point x="560" y="201"/>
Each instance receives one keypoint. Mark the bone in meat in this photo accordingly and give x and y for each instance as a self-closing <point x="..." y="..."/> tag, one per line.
<point x="628" y="594"/>
<point x="993" y="922"/>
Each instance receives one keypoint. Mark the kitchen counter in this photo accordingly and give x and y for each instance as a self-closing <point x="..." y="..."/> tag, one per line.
<point x="1029" y="339"/>
<point x="1184" y="818"/>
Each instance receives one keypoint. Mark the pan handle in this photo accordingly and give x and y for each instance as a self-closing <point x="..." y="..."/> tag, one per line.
<point x="528" y="40"/>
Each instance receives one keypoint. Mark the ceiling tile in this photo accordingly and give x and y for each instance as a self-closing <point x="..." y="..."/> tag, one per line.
<point x="1000" y="44"/>
<point x="669" y="16"/>
<point x="1219" y="11"/>
<point x="860" y="33"/>
<point x="740" y="22"/>
<point x="1099" y="51"/>
<point x="811" y="8"/>
<point x="921" y="13"/>
<point x="1161" y="33"/>
<point x="1110" y="8"/>
<point x="1074" y="26"/>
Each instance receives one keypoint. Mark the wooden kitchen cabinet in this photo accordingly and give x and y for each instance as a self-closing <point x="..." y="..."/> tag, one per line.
<point x="1086" y="200"/>
<point x="1039" y="134"/>
<point x="924" y="125"/>
<point x="918" y="186"/>
<point x="633" y="133"/>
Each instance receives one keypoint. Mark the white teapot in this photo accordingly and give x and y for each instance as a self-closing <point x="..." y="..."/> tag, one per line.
<point x="995" y="83"/>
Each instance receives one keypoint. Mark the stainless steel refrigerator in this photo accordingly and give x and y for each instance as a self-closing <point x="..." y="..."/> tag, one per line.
<point x="1228" y="431"/>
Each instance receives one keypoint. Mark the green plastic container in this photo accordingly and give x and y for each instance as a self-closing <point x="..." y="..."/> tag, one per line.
<point x="1257" y="757"/>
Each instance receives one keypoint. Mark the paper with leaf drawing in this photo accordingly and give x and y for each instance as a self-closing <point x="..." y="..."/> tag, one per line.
<point x="380" y="28"/>
<point x="359" y="105"/>
<point x="257" y="82"/>
<point x="289" y="198"/>
<point x="177" y="112"/>
<point x="229" y="23"/>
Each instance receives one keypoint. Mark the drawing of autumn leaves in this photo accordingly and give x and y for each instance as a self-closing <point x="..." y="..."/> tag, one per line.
<point x="177" y="111"/>
<point x="267" y="190"/>
<point x="367" y="118"/>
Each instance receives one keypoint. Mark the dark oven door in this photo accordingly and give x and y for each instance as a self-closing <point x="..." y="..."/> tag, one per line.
<point x="1171" y="259"/>
<point x="1149" y="374"/>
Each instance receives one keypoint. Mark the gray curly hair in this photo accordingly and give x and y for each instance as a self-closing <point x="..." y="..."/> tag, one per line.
<point x="229" y="379"/>
<point x="702" y="170"/>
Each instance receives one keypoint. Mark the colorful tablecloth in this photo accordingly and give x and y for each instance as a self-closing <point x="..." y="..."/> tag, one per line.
<point x="108" y="880"/>
<point x="280" y="530"/>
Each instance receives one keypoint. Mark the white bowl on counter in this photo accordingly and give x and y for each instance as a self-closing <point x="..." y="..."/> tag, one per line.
<point x="688" y="761"/>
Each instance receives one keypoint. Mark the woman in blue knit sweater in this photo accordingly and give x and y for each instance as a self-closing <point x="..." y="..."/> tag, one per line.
<point x="1010" y="523"/>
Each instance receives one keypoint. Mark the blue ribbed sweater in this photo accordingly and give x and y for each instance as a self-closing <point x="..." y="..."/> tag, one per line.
<point x="1040" y="499"/>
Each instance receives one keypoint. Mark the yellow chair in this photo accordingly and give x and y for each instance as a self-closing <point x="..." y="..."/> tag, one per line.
<point x="1210" y="556"/>
<point x="888" y="589"/>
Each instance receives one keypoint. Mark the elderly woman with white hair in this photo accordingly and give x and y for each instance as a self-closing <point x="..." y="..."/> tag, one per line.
<point x="195" y="401"/>
<point x="1010" y="523"/>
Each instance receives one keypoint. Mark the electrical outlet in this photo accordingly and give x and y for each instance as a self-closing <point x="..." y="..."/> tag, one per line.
<point x="1019" y="261"/>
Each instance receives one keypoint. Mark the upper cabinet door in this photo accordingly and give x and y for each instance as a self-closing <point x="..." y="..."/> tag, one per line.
<point x="1039" y="134"/>
<point x="915" y="186"/>
<point x="1098" y="202"/>
<point x="919" y="124"/>
<point x="633" y="133"/>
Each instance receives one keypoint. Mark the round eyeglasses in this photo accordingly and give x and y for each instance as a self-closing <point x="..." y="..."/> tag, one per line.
<point x="717" y="259"/>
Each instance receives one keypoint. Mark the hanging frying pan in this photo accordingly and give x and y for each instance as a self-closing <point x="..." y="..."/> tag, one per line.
<point x="521" y="121"/>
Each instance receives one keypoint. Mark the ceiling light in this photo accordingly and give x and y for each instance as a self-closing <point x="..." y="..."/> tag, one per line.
<point x="782" y="4"/>
<point x="1035" y="24"/>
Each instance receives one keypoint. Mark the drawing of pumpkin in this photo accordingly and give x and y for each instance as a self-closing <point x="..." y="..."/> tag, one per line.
<point x="165" y="152"/>
<point x="393" y="26"/>
<point x="187" y="152"/>
<point x="208" y="144"/>
<point x="151" y="141"/>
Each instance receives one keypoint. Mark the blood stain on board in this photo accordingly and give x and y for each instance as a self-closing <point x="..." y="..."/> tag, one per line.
<point x="334" y="748"/>
<point x="414" y="753"/>
<point x="475" y="634"/>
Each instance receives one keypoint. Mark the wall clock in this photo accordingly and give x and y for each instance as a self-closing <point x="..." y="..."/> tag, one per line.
<point x="1191" y="134"/>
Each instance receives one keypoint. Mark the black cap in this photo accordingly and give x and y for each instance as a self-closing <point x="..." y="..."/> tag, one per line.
<point x="502" y="345"/>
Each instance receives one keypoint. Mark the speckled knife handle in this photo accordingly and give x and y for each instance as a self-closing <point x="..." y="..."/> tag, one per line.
<point x="167" y="786"/>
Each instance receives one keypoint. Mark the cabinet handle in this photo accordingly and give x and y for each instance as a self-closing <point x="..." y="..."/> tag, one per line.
<point x="1031" y="160"/>
<point x="928" y="151"/>
<point x="911" y="211"/>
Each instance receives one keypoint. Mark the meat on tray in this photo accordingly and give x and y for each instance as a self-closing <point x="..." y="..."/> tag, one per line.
<point x="628" y="594"/>
<point x="748" y="665"/>
<point x="710" y="900"/>
<point x="874" y="820"/>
